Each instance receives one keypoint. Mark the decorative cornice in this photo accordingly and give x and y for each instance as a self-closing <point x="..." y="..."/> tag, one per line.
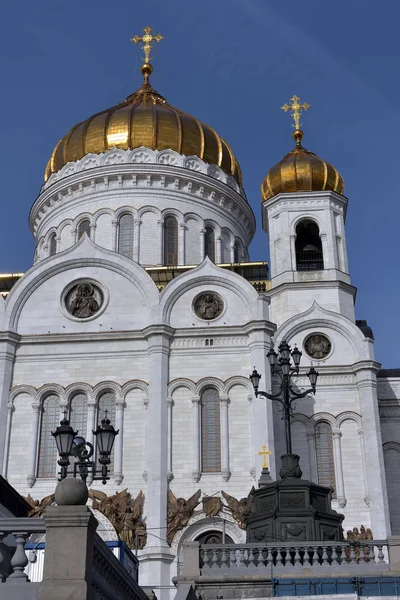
<point x="143" y="169"/>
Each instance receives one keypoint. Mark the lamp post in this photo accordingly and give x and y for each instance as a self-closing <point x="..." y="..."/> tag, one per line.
<point x="284" y="369"/>
<point x="69" y="443"/>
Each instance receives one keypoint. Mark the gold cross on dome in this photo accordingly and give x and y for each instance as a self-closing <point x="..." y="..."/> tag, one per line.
<point x="264" y="453"/>
<point x="147" y="38"/>
<point x="296" y="110"/>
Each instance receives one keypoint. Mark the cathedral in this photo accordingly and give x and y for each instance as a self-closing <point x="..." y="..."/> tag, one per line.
<point x="142" y="301"/>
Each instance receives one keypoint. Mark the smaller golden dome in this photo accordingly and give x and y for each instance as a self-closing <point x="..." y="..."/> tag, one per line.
<point x="301" y="171"/>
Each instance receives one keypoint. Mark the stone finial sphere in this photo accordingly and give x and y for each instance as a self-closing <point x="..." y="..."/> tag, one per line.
<point x="71" y="492"/>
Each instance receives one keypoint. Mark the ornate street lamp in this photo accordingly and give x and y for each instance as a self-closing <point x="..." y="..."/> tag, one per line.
<point x="69" y="443"/>
<point x="284" y="370"/>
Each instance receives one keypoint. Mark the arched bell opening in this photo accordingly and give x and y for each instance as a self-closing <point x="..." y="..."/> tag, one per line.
<point x="309" y="256"/>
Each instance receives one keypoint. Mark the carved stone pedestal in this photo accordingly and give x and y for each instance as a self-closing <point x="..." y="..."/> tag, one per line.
<point x="293" y="509"/>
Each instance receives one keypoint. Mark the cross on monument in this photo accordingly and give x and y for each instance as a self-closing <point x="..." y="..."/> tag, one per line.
<point x="264" y="453"/>
<point x="296" y="110"/>
<point x="147" y="38"/>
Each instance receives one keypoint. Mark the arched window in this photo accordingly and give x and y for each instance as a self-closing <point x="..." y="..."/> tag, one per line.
<point x="209" y="243"/>
<point x="210" y="432"/>
<point x="52" y="244"/>
<point x="125" y="235"/>
<point x="106" y="402"/>
<point x="308" y="247"/>
<point x="47" y="461"/>
<point x="78" y="413"/>
<point x="170" y="241"/>
<point x="235" y="253"/>
<point x="324" y="452"/>
<point x="84" y="227"/>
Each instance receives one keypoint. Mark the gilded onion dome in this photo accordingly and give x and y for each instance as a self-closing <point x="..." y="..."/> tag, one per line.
<point x="301" y="171"/>
<point x="144" y="119"/>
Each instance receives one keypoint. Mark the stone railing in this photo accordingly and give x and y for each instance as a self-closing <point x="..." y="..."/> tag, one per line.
<point x="13" y="558"/>
<point x="290" y="558"/>
<point x="110" y="579"/>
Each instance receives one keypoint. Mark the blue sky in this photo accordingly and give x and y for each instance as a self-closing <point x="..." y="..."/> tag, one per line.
<point x="232" y="64"/>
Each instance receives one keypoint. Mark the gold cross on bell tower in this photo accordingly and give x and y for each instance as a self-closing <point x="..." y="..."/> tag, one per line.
<point x="147" y="39"/>
<point x="296" y="110"/>
<point x="264" y="453"/>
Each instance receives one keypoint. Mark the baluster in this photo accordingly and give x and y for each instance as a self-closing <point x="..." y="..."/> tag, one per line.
<point x="206" y="559"/>
<point x="224" y="558"/>
<point x="233" y="558"/>
<point x="297" y="558"/>
<point x="279" y="558"/>
<point x="372" y="556"/>
<point x="19" y="559"/>
<point x="251" y="558"/>
<point x="307" y="557"/>
<point x="381" y="555"/>
<point x="270" y="557"/>
<point x="324" y="557"/>
<point x="353" y="560"/>
<point x="334" y="556"/>
<point x="214" y="559"/>
<point x="260" y="558"/>
<point x="202" y="558"/>
<point x="240" y="560"/>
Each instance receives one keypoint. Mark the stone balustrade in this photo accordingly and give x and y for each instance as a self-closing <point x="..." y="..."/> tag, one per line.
<point x="13" y="558"/>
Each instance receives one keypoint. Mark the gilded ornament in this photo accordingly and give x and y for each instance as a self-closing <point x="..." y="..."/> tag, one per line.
<point x="317" y="346"/>
<point x="208" y="306"/>
<point x="38" y="507"/>
<point x="240" y="509"/>
<point x="212" y="505"/>
<point x="296" y="110"/>
<point x="147" y="38"/>
<point x="179" y="513"/>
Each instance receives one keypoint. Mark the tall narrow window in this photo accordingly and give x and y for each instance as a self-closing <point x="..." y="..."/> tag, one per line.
<point x="52" y="244"/>
<point x="47" y="461"/>
<point x="324" y="452"/>
<point x="125" y="235"/>
<point x="210" y="432"/>
<point x="235" y="253"/>
<point x="78" y="413"/>
<point x="84" y="227"/>
<point x="107" y="403"/>
<point x="170" y="241"/>
<point x="209" y="243"/>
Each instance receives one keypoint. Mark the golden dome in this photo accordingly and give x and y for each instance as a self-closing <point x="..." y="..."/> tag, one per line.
<point x="144" y="119"/>
<point x="301" y="171"/>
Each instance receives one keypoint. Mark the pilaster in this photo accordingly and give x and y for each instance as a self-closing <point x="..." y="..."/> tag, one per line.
<point x="8" y="345"/>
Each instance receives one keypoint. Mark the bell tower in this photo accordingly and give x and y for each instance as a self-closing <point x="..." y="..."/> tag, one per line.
<point x="304" y="212"/>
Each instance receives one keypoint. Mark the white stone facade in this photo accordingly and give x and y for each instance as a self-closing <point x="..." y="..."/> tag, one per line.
<point x="155" y="354"/>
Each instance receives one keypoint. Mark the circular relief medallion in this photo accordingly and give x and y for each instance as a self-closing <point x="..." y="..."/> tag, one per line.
<point x="84" y="300"/>
<point x="208" y="306"/>
<point x="317" y="345"/>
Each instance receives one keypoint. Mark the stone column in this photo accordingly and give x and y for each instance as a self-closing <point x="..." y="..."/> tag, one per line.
<point x="182" y="244"/>
<point x="225" y="471"/>
<point x="93" y="231"/>
<point x="136" y="239"/>
<point x="58" y="244"/>
<point x="312" y="458"/>
<point x="8" y="345"/>
<point x="160" y="224"/>
<point x="218" y="256"/>
<point x="68" y="560"/>
<point x="337" y="456"/>
<point x="10" y="408"/>
<point x="114" y="239"/>
<point x="293" y="252"/>
<point x="325" y="251"/>
<point x="259" y="333"/>
<point x="35" y="420"/>
<point x="196" y="473"/>
<point x="156" y="557"/>
<point x="170" y="404"/>
<point x="119" y="426"/>
<point x="373" y="453"/>
<point x="73" y="236"/>
<point x="202" y="244"/>
<point x="232" y="253"/>
<point x="364" y="466"/>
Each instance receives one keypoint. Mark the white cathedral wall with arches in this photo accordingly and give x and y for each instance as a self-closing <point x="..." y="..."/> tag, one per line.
<point x="86" y="329"/>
